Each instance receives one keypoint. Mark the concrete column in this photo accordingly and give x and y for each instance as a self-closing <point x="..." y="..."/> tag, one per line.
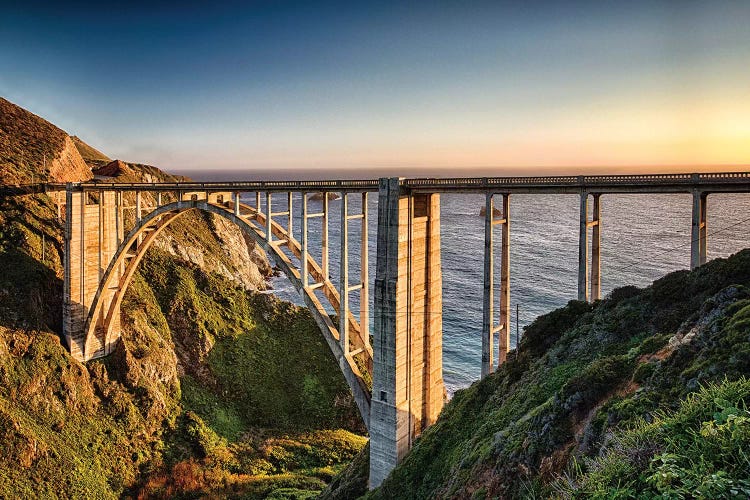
<point x="324" y="240"/>
<point x="119" y="230"/>
<point x="489" y="278"/>
<point x="138" y="213"/>
<point x="82" y="230"/>
<point x="100" y="242"/>
<point x="364" y="294"/>
<point x="596" y="243"/>
<point x="237" y="202"/>
<point x="269" y="223"/>
<point x="138" y="207"/>
<point x="344" y="278"/>
<point x="408" y="390"/>
<point x="257" y="201"/>
<point x="583" y="250"/>
<point x="68" y="293"/>
<point x="699" y="232"/>
<point x="503" y="340"/>
<point x="704" y="229"/>
<point x="158" y="199"/>
<point x="303" y="236"/>
<point x="291" y="216"/>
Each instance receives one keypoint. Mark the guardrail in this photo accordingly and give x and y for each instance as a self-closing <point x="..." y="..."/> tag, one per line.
<point x="442" y="184"/>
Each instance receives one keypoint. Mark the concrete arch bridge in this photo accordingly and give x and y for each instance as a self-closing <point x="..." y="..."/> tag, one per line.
<point x="396" y="379"/>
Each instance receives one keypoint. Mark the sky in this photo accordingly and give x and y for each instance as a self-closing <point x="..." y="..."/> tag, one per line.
<point x="456" y="87"/>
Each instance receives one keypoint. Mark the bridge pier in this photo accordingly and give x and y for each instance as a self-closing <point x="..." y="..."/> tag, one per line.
<point x="699" y="234"/>
<point x="589" y="280"/>
<point x="92" y="234"/>
<point x="407" y="382"/>
<point x="488" y="324"/>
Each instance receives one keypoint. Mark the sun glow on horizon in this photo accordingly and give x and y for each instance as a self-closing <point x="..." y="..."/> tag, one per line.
<point x="557" y="87"/>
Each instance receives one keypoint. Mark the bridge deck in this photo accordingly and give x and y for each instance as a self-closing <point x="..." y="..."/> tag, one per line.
<point x="726" y="182"/>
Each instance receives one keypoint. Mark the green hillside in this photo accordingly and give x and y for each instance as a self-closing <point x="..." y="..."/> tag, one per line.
<point x="640" y="395"/>
<point x="215" y="390"/>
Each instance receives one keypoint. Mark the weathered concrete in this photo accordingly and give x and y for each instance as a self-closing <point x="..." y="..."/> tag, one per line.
<point x="698" y="233"/>
<point x="488" y="288"/>
<point x="583" y="249"/>
<point x="488" y="324"/>
<point x="589" y="281"/>
<point x="92" y="231"/>
<point x="596" y="246"/>
<point x="408" y="390"/>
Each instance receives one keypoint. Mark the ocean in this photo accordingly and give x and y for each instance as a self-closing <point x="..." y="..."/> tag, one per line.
<point x="643" y="238"/>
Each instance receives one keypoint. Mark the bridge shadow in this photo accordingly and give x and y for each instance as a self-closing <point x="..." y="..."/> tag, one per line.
<point x="30" y="293"/>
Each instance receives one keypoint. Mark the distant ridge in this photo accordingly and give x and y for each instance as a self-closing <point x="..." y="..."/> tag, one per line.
<point x="88" y="153"/>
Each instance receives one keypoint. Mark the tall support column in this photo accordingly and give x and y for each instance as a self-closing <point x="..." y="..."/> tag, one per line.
<point x="68" y="273"/>
<point x="100" y="228"/>
<point x="291" y="216"/>
<point x="699" y="233"/>
<point x="158" y="199"/>
<point x="82" y="229"/>
<point x="119" y="229"/>
<point x="596" y="245"/>
<point x="324" y="240"/>
<point x="303" y="236"/>
<point x="344" y="278"/>
<point x="408" y="390"/>
<point x="269" y="223"/>
<point x="364" y="294"/>
<point x="237" y="202"/>
<point x="583" y="250"/>
<point x="489" y="287"/>
<point x="138" y="213"/>
<point x="704" y="229"/>
<point x="138" y="207"/>
<point x="257" y="201"/>
<point x="504" y="326"/>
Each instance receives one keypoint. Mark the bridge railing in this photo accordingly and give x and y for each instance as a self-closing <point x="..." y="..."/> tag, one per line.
<point x="442" y="184"/>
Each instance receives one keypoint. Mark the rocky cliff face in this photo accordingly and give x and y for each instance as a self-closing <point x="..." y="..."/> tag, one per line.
<point x="232" y="254"/>
<point x="206" y="240"/>
<point x="68" y="165"/>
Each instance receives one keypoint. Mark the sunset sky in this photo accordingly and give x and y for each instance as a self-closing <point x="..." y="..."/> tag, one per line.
<point x="365" y="86"/>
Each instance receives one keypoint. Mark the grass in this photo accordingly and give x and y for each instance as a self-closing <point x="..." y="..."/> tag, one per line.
<point x="584" y="375"/>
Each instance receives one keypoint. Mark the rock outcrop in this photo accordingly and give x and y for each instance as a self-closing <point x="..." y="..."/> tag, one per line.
<point x="113" y="169"/>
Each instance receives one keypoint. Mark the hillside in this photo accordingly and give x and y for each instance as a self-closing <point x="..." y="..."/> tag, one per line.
<point x="163" y="415"/>
<point x="555" y="419"/>
<point x="89" y="154"/>
<point x="34" y="150"/>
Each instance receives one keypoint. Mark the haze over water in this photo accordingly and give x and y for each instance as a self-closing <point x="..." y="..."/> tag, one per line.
<point x="643" y="238"/>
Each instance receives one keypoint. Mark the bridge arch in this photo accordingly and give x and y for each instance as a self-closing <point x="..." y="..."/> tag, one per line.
<point x="101" y="321"/>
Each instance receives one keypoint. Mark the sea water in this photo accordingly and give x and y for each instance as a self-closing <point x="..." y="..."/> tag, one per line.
<point x="643" y="238"/>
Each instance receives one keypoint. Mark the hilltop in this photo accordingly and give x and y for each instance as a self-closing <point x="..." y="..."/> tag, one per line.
<point x="32" y="149"/>
<point x="185" y="404"/>
<point x="92" y="156"/>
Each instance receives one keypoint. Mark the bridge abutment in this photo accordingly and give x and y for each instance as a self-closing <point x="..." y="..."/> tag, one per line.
<point x="408" y="389"/>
